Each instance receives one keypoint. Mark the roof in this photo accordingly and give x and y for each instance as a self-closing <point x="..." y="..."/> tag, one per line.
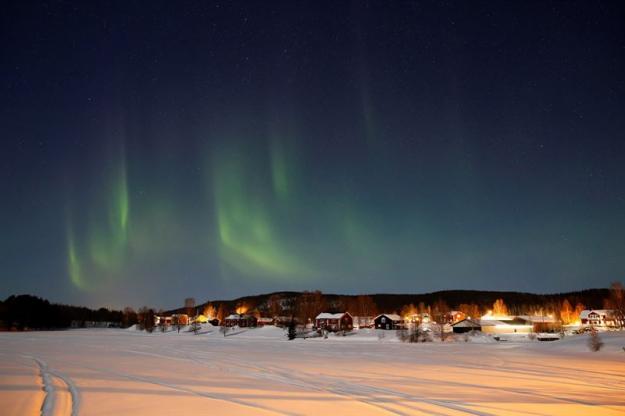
<point x="491" y="317"/>
<point x="233" y="316"/>
<point x="584" y="314"/>
<point x="537" y="319"/>
<point x="391" y="316"/>
<point x="467" y="323"/>
<point x="492" y="322"/>
<point x="325" y="315"/>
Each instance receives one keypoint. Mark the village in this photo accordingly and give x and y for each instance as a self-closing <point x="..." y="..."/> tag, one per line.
<point x="414" y="324"/>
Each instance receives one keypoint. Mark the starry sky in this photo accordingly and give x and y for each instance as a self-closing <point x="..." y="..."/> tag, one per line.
<point x="156" y="150"/>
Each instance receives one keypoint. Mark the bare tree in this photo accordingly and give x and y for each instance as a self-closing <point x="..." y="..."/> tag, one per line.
<point x="195" y="327"/>
<point x="221" y="313"/>
<point x="439" y="311"/>
<point x="408" y="310"/>
<point x="594" y="342"/>
<point x="176" y="322"/>
<point x="500" y="308"/>
<point x="365" y="306"/>
<point x="145" y="317"/>
<point x="617" y="303"/>
<point x="274" y="305"/>
<point x="129" y="317"/>
<point x="470" y="310"/>
<point x="567" y="314"/>
<point x="209" y="311"/>
<point x="189" y="306"/>
<point x="309" y="305"/>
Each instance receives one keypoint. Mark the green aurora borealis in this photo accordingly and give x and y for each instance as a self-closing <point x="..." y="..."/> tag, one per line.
<point x="154" y="152"/>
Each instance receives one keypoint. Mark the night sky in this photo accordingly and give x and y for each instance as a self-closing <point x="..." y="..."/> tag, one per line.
<point x="152" y="151"/>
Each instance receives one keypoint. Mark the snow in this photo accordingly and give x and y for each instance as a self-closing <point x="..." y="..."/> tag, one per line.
<point x="326" y="315"/>
<point x="391" y="316"/>
<point x="259" y="372"/>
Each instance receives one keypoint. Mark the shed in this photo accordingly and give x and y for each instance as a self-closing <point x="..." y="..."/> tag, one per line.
<point x="466" y="325"/>
<point x="388" y="321"/>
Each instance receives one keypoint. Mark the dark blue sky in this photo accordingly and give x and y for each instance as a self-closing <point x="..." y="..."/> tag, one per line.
<point x="153" y="151"/>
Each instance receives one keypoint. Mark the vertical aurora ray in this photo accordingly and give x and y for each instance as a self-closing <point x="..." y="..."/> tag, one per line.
<point x="98" y="256"/>
<point x="248" y="218"/>
<point x="73" y="263"/>
<point x="282" y="159"/>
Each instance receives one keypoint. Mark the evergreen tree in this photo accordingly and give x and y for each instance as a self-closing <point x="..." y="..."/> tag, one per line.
<point x="292" y="332"/>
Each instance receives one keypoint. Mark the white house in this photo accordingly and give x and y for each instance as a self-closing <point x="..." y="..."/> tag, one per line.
<point x="600" y="318"/>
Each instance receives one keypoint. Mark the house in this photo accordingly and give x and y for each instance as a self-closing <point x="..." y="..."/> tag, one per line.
<point x="452" y="317"/>
<point x="162" y="320"/>
<point x="240" y="320"/>
<point x="541" y="323"/>
<point x="180" y="319"/>
<point x="363" y="321"/>
<point x="388" y="321"/>
<point x="200" y="319"/>
<point x="600" y="318"/>
<point x="506" y="326"/>
<point x="466" y="325"/>
<point x="264" y="321"/>
<point x="283" y="321"/>
<point x="334" y="321"/>
<point x="417" y="318"/>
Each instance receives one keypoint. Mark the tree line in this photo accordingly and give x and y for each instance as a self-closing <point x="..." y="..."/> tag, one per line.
<point x="31" y="312"/>
<point x="24" y="312"/>
<point x="305" y="306"/>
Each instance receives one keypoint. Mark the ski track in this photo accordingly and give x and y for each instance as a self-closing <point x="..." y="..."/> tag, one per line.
<point x="228" y="356"/>
<point x="358" y="391"/>
<point x="351" y="391"/>
<point x="143" y="379"/>
<point x="49" y="401"/>
<point x="47" y="407"/>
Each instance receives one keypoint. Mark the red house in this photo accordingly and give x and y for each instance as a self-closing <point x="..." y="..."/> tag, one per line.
<point x="243" y="321"/>
<point x="334" y="321"/>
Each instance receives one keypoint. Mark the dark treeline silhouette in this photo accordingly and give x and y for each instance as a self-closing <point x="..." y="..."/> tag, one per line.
<point x="518" y="302"/>
<point x="31" y="312"/>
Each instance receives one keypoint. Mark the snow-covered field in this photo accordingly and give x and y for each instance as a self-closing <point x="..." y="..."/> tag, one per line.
<point x="259" y="372"/>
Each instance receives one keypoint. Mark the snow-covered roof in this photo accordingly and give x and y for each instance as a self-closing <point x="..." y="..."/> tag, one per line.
<point x="491" y="317"/>
<point x="467" y="323"/>
<point x="490" y="322"/>
<point x="233" y="316"/>
<point x="516" y="322"/>
<point x="325" y="315"/>
<point x="538" y="319"/>
<point x="603" y="312"/>
<point x="391" y="316"/>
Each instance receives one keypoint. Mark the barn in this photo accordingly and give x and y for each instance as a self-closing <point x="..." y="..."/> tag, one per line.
<point x="466" y="325"/>
<point x="334" y="321"/>
<point x="388" y="321"/>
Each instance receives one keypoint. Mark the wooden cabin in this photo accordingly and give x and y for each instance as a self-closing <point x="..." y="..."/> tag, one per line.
<point x="388" y="321"/>
<point x="334" y="321"/>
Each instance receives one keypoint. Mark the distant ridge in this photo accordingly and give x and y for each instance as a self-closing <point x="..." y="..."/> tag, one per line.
<point x="389" y="302"/>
